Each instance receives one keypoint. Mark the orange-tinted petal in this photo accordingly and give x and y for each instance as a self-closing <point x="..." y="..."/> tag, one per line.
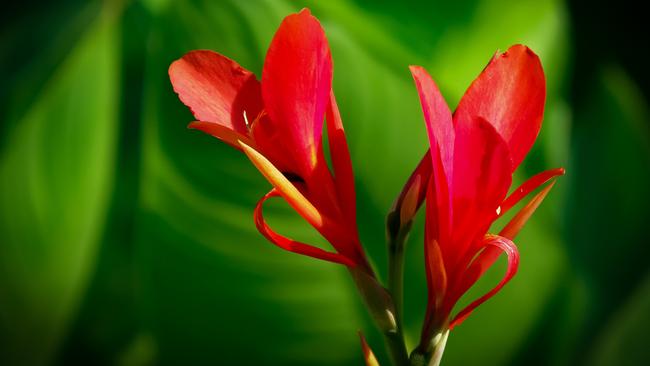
<point x="510" y="93"/>
<point x="296" y="83"/>
<point x="527" y="187"/>
<point x="368" y="355"/>
<point x="225" y="134"/>
<point x="341" y="163"/>
<point x="284" y="187"/>
<point x="418" y="179"/>
<point x="490" y="254"/>
<point x="435" y="269"/>
<point x="290" y="244"/>
<point x="515" y="225"/>
<point x="216" y="89"/>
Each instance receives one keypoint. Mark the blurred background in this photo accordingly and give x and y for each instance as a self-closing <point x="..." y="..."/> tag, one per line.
<point x="126" y="239"/>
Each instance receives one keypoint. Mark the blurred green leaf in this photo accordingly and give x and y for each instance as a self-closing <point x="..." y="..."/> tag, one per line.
<point x="55" y="180"/>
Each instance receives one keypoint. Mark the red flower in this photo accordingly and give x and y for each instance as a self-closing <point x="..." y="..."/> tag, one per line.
<point x="278" y="123"/>
<point x="472" y="157"/>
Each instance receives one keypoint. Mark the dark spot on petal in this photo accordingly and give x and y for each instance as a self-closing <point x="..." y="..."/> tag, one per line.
<point x="293" y="178"/>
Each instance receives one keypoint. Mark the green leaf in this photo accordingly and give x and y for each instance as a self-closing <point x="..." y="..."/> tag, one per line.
<point x="55" y="180"/>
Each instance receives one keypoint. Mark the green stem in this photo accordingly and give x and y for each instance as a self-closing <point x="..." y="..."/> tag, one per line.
<point x="397" y="347"/>
<point x="396" y="272"/>
<point x="381" y="307"/>
<point x="396" y="242"/>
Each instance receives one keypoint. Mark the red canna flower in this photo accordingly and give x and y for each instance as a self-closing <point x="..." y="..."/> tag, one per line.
<point x="472" y="157"/>
<point x="278" y="124"/>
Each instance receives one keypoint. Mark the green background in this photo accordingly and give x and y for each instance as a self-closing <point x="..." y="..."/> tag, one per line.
<point x="126" y="239"/>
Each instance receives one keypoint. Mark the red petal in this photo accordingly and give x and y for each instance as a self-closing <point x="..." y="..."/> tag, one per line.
<point x="216" y="89"/>
<point x="290" y="244"/>
<point x="296" y="82"/>
<point x="223" y="133"/>
<point x="441" y="138"/>
<point x="482" y="176"/>
<point x="478" y="265"/>
<point x="510" y="93"/>
<point x="340" y="153"/>
<point x="435" y="269"/>
<point x="527" y="187"/>
<point x="438" y="118"/>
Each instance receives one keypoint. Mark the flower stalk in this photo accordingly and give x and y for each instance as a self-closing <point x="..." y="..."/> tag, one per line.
<point x="381" y="306"/>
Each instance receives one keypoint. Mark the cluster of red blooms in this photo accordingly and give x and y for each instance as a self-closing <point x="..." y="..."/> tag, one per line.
<point x="464" y="177"/>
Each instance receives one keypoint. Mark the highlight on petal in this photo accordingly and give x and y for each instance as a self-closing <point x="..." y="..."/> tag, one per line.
<point x="368" y="355"/>
<point x="225" y="134"/>
<point x="478" y="266"/>
<point x="341" y="163"/>
<point x="510" y="93"/>
<point x="216" y="88"/>
<point x="528" y="186"/>
<point x="290" y="193"/>
<point x="296" y="84"/>
<point x="290" y="244"/>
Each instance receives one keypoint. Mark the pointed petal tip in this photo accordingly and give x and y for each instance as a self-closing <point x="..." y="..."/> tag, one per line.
<point x="304" y="11"/>
<point x="368" y="355"/>
<point x="515" y="225"/>
<point x="519" y="48"/>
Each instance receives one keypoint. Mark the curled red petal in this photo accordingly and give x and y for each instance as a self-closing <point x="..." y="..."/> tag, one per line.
<point x="217" y="89"/>
<point x="510" y="93"/>
<point x="290" y="244"/>
<point x="528" y="186"/>
<point x="296" y="84"/>
<point x="478" y="265"/>
<point x="341" y="162"/>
